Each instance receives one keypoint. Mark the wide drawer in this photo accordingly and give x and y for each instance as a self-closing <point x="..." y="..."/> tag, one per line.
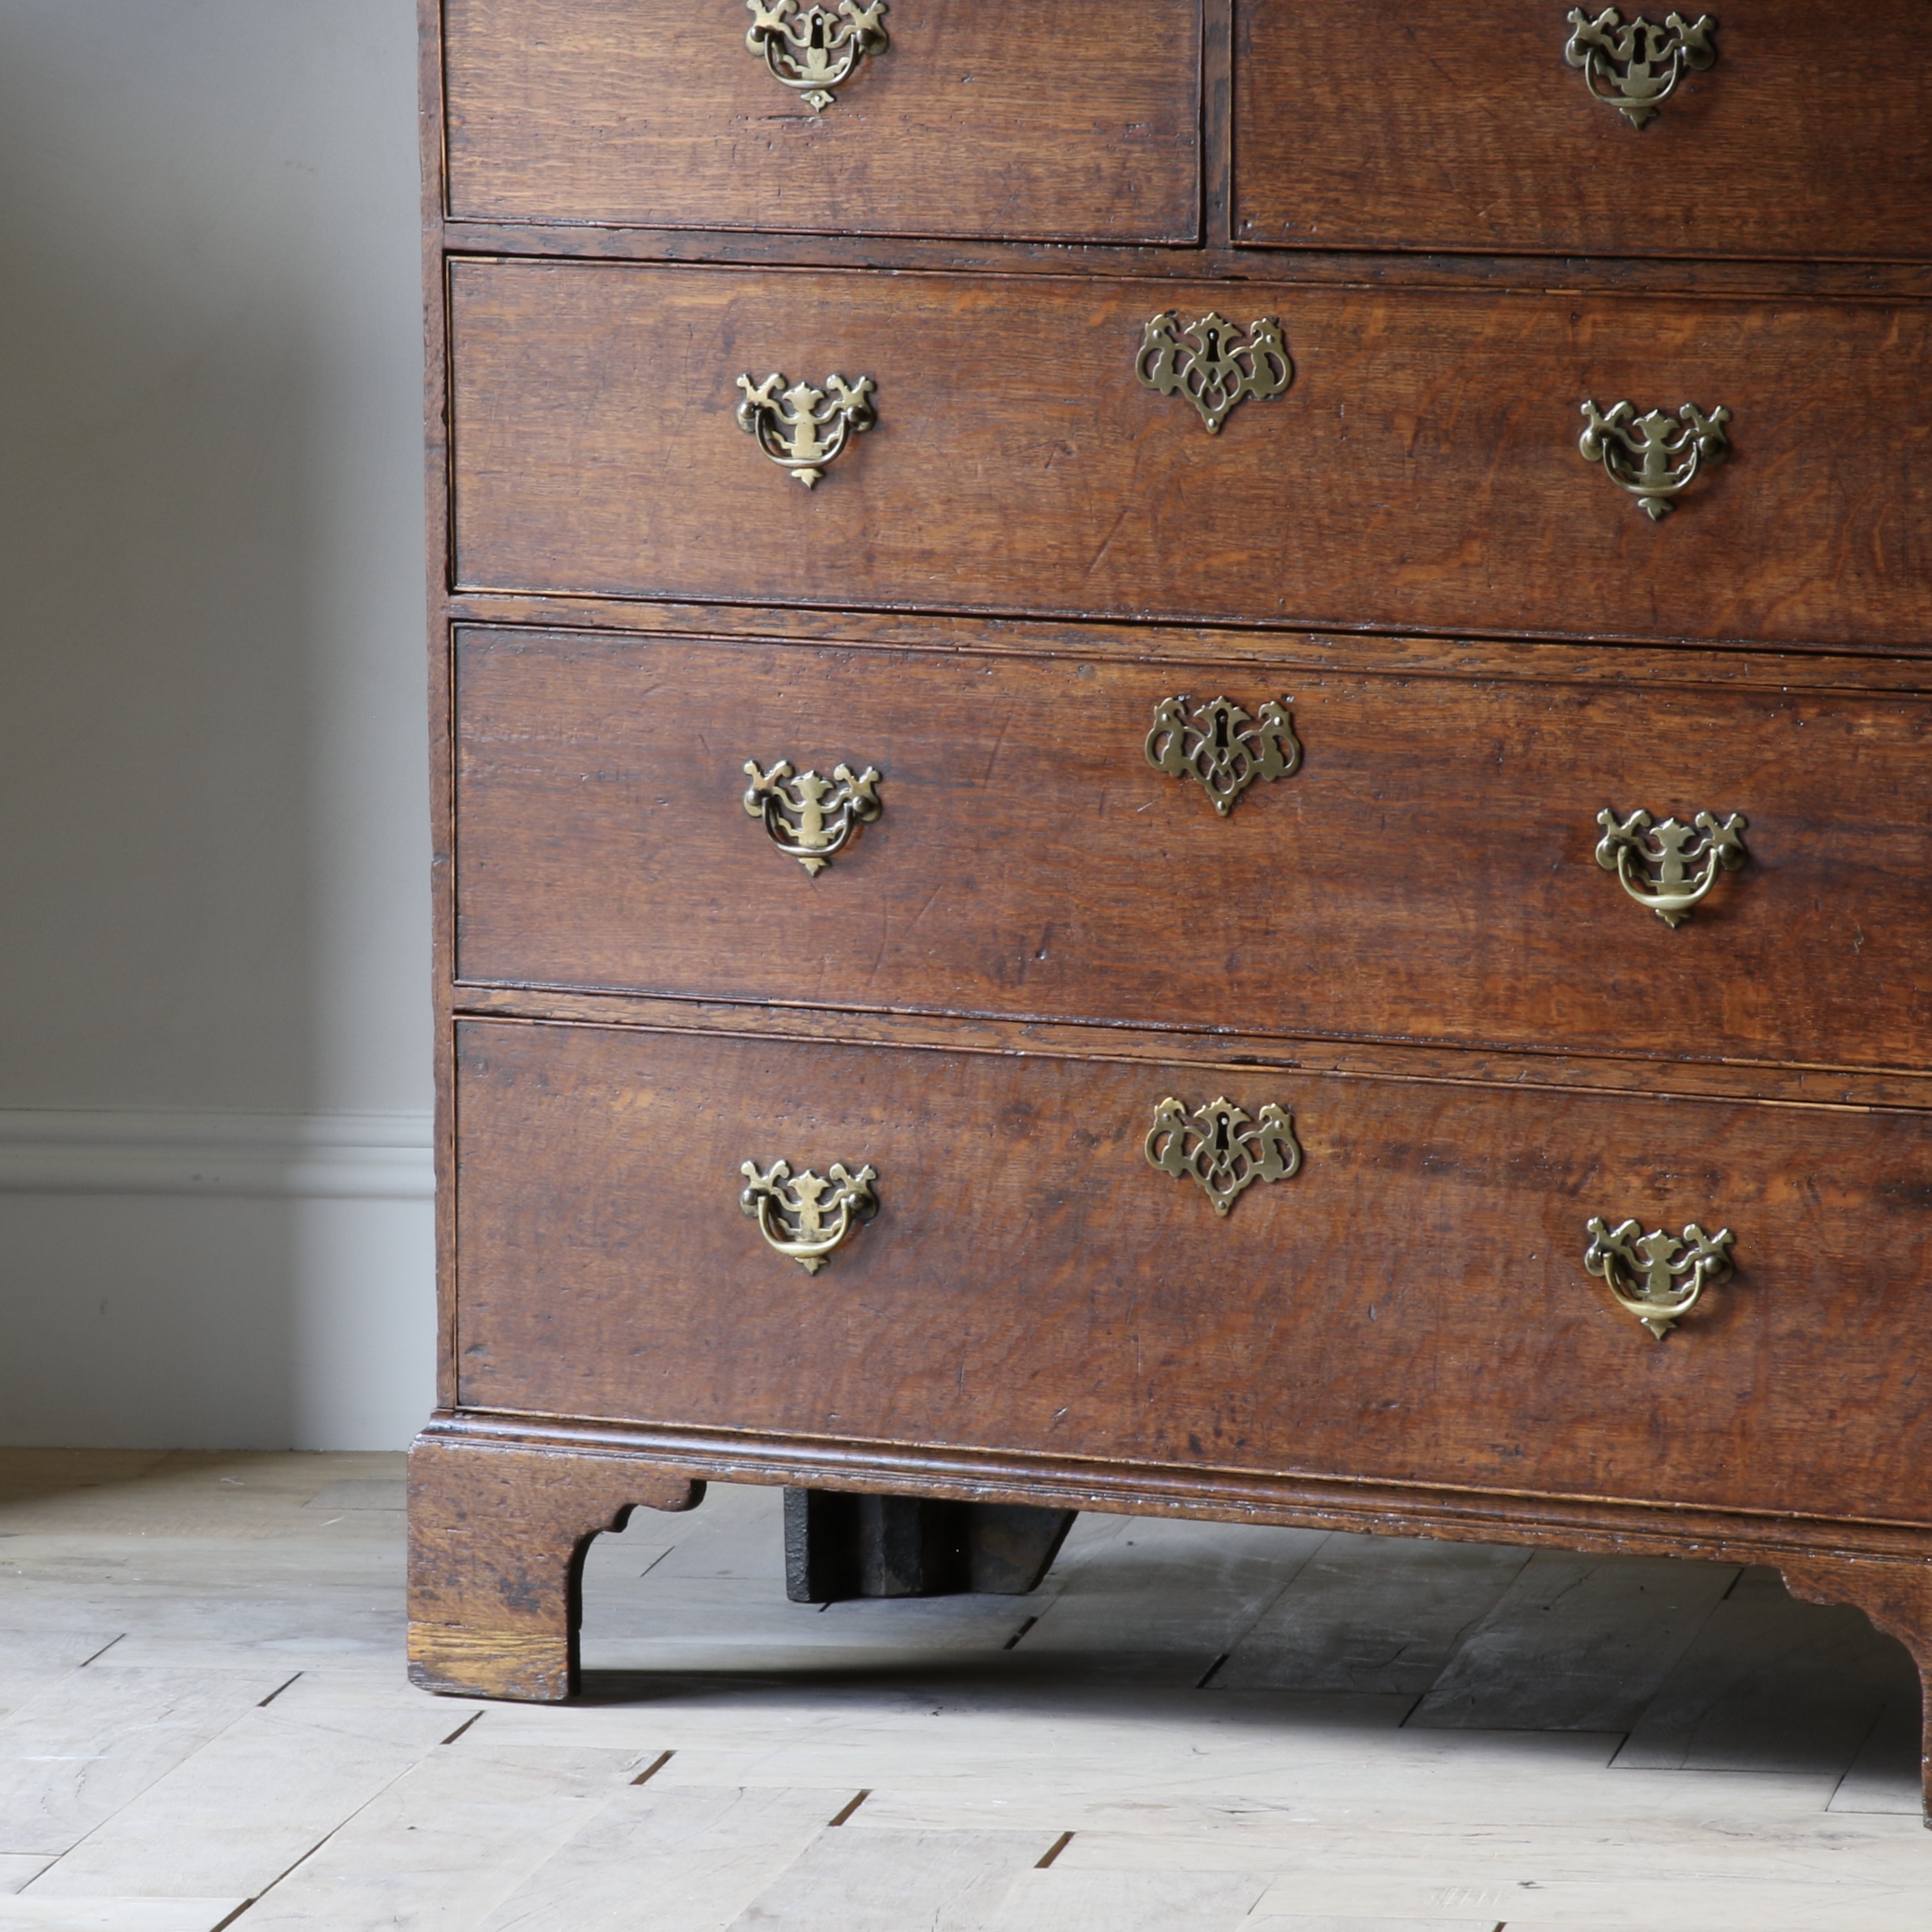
<point x="1412" y="1305"/>
<point x="1073" y="119"/>
<point x="1430" y="870"/>
<point x="1423" y="471"/>
<point x="1790" y="130"/>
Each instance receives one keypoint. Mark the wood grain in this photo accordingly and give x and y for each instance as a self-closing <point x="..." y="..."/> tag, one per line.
<point x="1810" y="137"/>
<point x="1422" y="472"/>
<point x="1066" y="119"/>
<point x="1428" y="873"/>
<point x="497" y="1538"/>
<point x="1410" y="1307"/>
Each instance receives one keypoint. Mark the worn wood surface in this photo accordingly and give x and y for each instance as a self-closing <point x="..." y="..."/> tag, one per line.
<point x="1810" y="137"/>
<point x="1411" y="1307"/>
<point x="1429" y="873"/>
<point x="1068" y="119"/>
<point x="496" y="1543"/>
<point x="502" y="1816"/>
<point x="1422" y="471"/>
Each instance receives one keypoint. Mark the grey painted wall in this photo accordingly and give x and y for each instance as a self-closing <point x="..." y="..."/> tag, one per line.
<point x="213" y="841"/>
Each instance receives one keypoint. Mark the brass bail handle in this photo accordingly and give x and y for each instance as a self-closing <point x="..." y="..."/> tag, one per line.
<point x="814" y="49"/>
<point x="1657" y="1277"/>
<point x="1670" y="867"/>
<point x="802" y="429"/>
<point x="1657" y="457"/>
<point x="805" y="1216"/>
<point x="1635" y="68"/>
<point x="808" y="817"/>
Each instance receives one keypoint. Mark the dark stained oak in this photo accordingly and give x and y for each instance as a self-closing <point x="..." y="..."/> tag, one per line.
<point x="1401" y="124"/>
<point x="497" y="1538"/>
<point x="1422" y="472"/>
<point x="1053" y="119"/>
<point x="1429" y="873"/>
<point x="1411" y="1307"/>
<point x="1484" y="643"/>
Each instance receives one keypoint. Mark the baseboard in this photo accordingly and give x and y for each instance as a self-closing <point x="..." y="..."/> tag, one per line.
<point x="332" y="1156"/>
<point x="215" y="1280"/>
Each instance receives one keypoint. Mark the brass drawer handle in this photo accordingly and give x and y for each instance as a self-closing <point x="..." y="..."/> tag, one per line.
<point x="809" y="818"/>
<point x="1212" y="363"/>
<point x="1223" y="746"/>
<point x="1636" y="69"/>
<point x="1223" y="1147"/>
<point x="1678" y="863"/>
<point x="805" y="1216"/>
<point x="1657" y="1277"/>
<point x="1655" y="457"/>
<point x="815" y="49"/>
<point x="802" y="429"/>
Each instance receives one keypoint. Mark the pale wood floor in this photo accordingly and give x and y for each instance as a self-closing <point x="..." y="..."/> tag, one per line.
<point x="1191" y="1728"/>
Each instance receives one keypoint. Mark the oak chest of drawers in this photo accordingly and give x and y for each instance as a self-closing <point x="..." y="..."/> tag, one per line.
<point x="1181" y="767"/>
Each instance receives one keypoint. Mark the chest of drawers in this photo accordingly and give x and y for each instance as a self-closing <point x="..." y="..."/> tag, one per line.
<point x="1181" y="765"/>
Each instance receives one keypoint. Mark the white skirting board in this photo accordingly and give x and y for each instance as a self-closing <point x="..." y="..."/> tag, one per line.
<point x="215" y="1280"/>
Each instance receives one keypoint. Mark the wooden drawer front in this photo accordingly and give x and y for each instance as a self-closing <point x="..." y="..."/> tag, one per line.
<point x="1423" y="471"/>
<point x="1397" y="124"/>
<point x="1073" y="119"/>
<point x="1429" y="872"/>
<point x="1412" y="1305"/>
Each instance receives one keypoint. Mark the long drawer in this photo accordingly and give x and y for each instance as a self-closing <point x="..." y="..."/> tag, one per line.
<point x="1430" y="869"/>
<point x="1423" y="469"/>
<point x="1412" y="1303"/>
<point x="1050" y="119"/>
<point x="1780" y="128"/>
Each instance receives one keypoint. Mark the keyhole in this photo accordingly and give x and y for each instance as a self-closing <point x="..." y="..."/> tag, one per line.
<point x="817" y="32"/>
<point x="1220" y="730"/>
<point x="1220" y="1137"/>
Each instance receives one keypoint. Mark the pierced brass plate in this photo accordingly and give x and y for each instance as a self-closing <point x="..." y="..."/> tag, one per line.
<point x="1669" y="868"/>
<point x="1213" y="364"/>
<point x="1653" y="456"/>
<point x="1221" y="1147"/>
<point x="802" y="429"/>
<point x="1636" y="69"/>
<point x="805" y="1216"/>
<point x="814" y="49"/>
<point x="1657" y="1277"/>
<point x="809" y="818"/>
<point x="1223" y="746"/>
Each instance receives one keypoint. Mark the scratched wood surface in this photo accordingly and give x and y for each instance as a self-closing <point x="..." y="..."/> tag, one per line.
<point x="1423" y="469"/>
<point x="1412" y="1306"/>
<point x="1040" y="1729"/>
<point x="1430" y="872"/>
<point x="1062" y="119"/>
<point x="1810" y="137"/>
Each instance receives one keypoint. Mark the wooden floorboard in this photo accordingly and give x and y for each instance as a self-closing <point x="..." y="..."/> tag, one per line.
<point x="1190" y="1727"/>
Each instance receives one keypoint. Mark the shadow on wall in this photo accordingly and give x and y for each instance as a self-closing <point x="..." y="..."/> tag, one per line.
<point x="211" y="771"/>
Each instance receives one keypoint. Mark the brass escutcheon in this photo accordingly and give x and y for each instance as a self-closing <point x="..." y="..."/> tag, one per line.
<point x="1223" y="746"/>
<point x="1212" y="363"/>
<point x="1653" y="456"/>
<point x="809" y="818"/>
<point x="815" y="49"/>
<point x="805" y="1216"/>
<point x="1224" y="1148"/>
<point x="802" y="429"/>
<point x="1679" y="864"/>
<point x="1635" y="69"/>
<point x="1657" y="1277"/>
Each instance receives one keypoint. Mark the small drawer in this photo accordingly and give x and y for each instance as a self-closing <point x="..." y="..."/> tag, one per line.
<point x="1783" y="130"/>
<point x="1071" y="120"/>
<point x="1034" y="448"/>
<point x="1433" y="867"/>
<point x="1411" y="1302"/>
